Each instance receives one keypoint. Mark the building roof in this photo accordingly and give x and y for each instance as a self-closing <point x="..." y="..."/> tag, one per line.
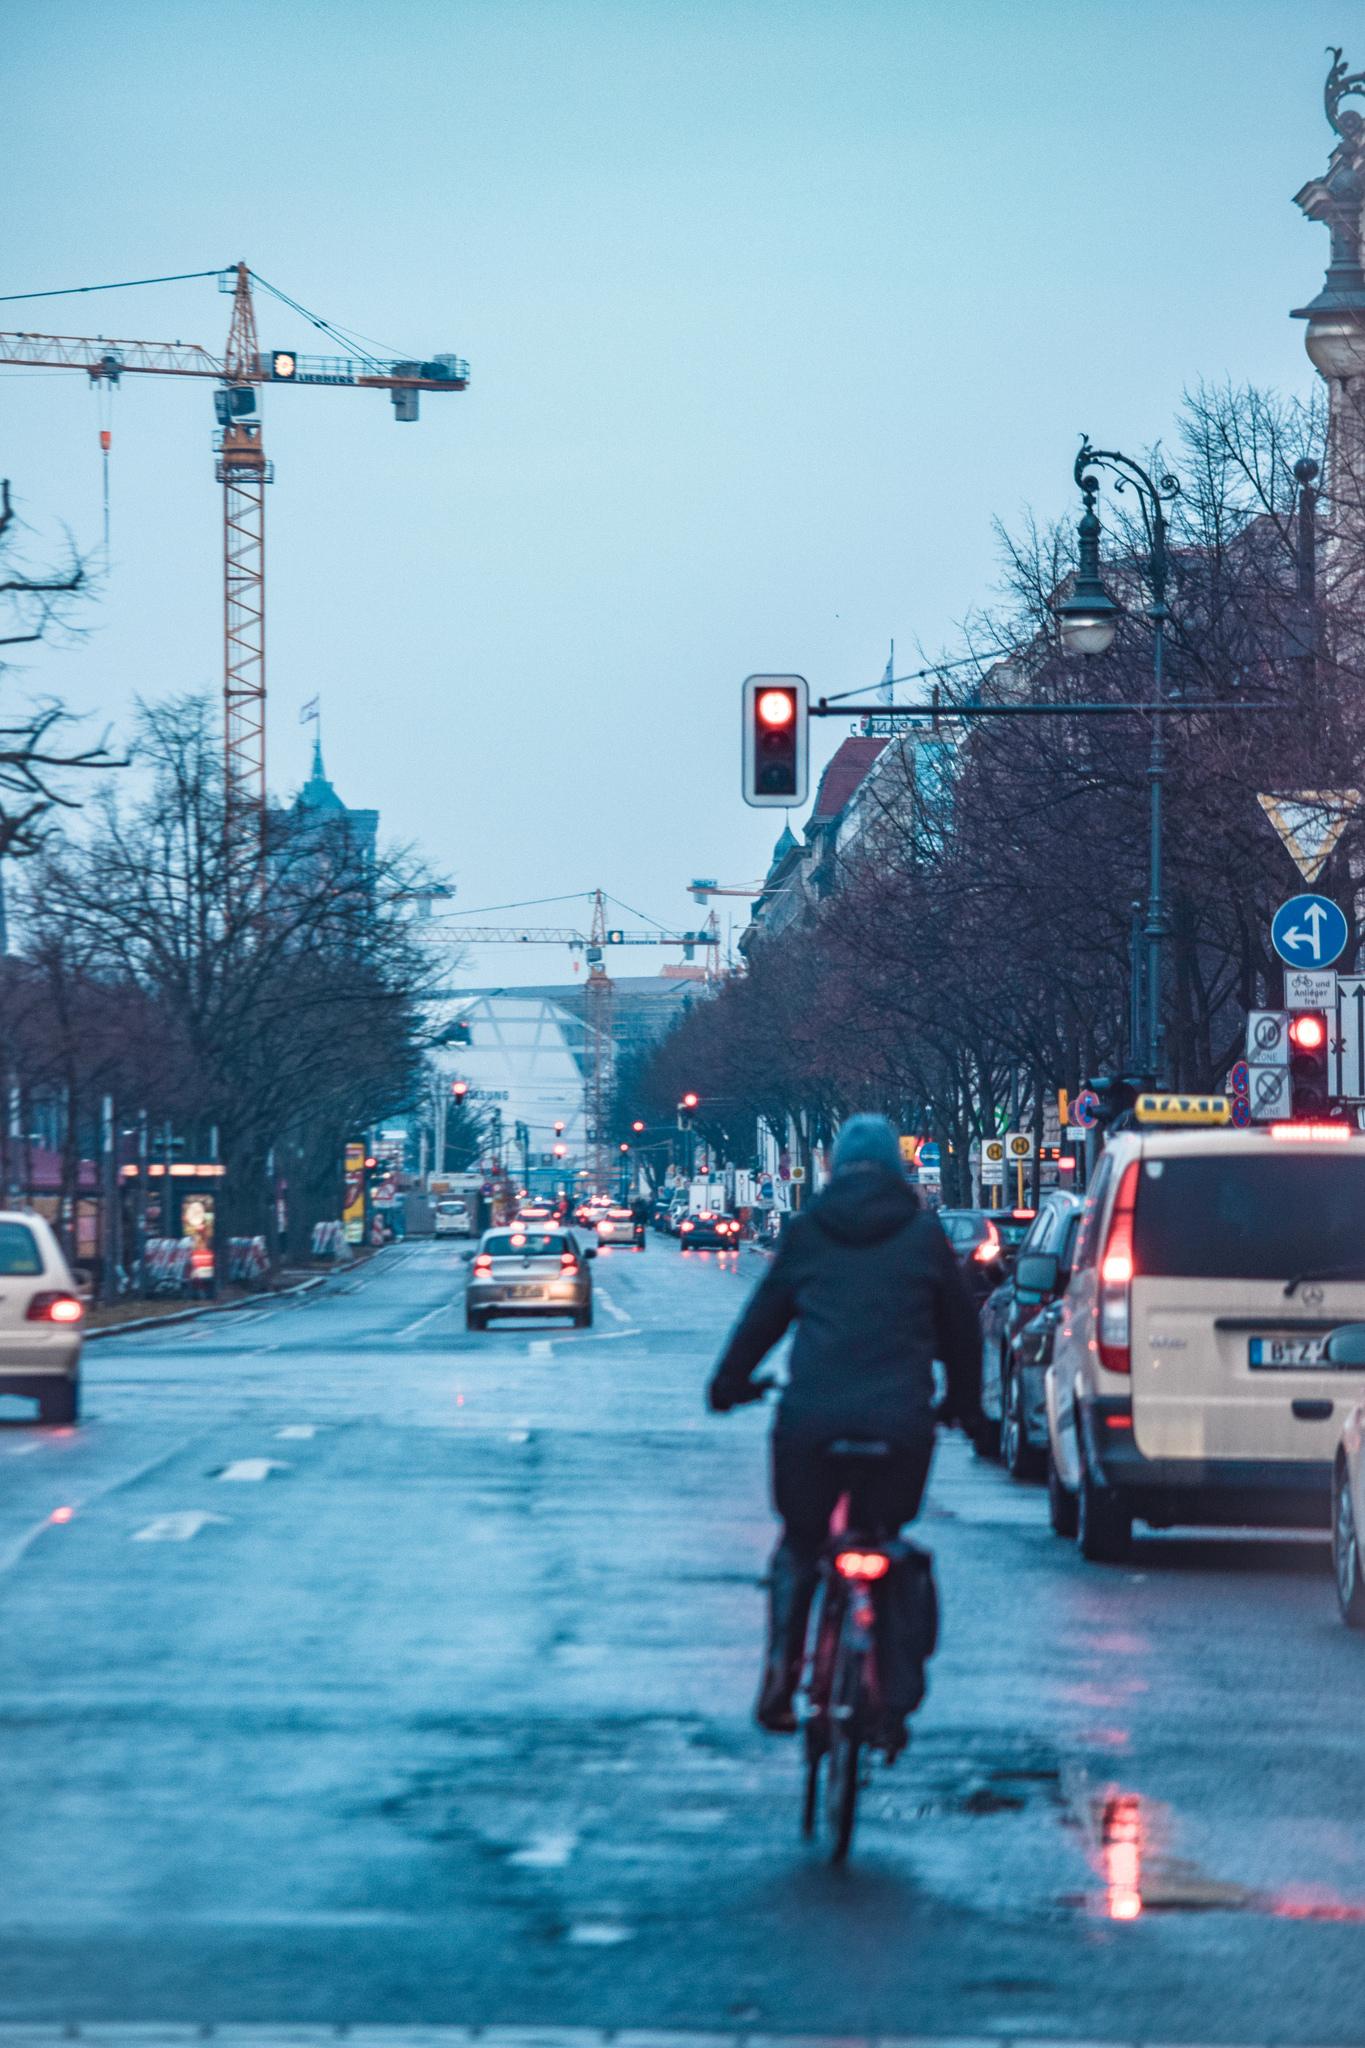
<point x="843" y="776"/>
<point x="317" y="793"/>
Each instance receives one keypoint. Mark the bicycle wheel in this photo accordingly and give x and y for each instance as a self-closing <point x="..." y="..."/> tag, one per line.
<point x="815" y="1756"/>
<point x="845" y="1743"/>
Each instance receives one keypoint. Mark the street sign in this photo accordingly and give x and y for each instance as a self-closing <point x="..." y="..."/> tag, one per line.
<point x="1307" y="988"/>
<point x="1270" y="1098"/>
<point x="929" y="1155"/>
<point x="1309" y="931"/>
<point x="1268" y="1038"/>
<point x="909" y="1147"/>
<point x="1351" y="1035"/>
<point x="1018" y="1147"/>
<point x="1239" y="1078"/>
<point x="1309" y="823"/>
<point x="992" y="1162"/>
<point x="1085" y="1109"/>
<point x="1241" y="1112"/>
<point x="798" y="1174"/>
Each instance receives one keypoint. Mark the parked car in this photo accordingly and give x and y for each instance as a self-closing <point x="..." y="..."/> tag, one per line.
<point x="1191" y="1380"/>
<point x="679" y="1210"/>
<point x="1018" y="1321"/>
<point x="707" y="1229"/>
<point x="41" y="1317"/>
<point x="1346" y="1348"/>
<point x="658" y="1215"/>
<point x="529" y="1272"/>
<point x="985" y="1241"/>
<point x="453" y="1219"/>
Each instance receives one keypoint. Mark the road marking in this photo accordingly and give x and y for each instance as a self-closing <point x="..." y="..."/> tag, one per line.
<point x="246" y="1469"/>
<point x="540" y="1347"/>
<point x="177" y="1528"/>
<point x="598" y="1933"/>
<point x="104" y="2034"/>
<point x="546" y="1852"/>
<point x="411" y="1329"/>
<point x="297" y="1432"/>
<point x="24" y="1450"/>
<point x="612" y="1308"/>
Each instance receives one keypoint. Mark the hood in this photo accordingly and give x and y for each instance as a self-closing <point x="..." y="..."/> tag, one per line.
<point x="864" y="1205"/>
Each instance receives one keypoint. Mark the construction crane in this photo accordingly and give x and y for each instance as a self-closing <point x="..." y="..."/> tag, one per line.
<point x="599" y="996"/>
<point x="243" y="471"/>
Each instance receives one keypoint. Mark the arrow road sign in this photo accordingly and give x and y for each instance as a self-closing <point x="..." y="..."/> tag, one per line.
<point x="1351" y="1035"/>
<point x="1268" y="1038"/>
<point x="1309" y="931"/>
<point x="1270" y="1096"/>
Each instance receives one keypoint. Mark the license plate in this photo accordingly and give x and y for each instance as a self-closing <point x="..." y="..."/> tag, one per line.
<point x="525" y="1293"/>
<point x="1285" y="1354"/>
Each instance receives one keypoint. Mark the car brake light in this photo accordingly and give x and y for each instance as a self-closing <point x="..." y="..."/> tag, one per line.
<point x="484" y="1263"/>
<point x="567" y="1262"/>
<point x="54" y="1308"/>
<point x="1116" y="1277"/>
<point x="862" y="1564"/>
<point x="687" y="1226"/>
<point x="1331" y="1134"/>
<point x="989" y="1247"/>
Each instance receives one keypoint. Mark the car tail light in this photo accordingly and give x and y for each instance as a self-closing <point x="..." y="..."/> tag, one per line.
<point x="567" y="1263"/>
<point x="862" y="1564"/>
<point x="484" y="1263"/>
<point x="989" y="1247"/>
<point x="687" y="1226"/>
<point x="54" y="1308"/>
<point x="1116" y="1278"/>
<point x="1331" y="1134"/>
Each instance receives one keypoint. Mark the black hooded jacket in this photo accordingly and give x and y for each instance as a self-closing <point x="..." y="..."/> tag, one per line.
<point x="871" y="1282"/>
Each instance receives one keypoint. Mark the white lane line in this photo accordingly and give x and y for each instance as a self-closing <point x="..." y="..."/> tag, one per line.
<point x="176" y="1528"/>
<point x="540" y="1347"/>
<point x="613" y="1308"/>
<point x="411" y="1329"/>
<point x="598" y="1933"/>
<point x="297" y="1432"/>
<point x="243" y="1470"/>
<point x="546" y="1852"/>
<point x="25" y="1450"/>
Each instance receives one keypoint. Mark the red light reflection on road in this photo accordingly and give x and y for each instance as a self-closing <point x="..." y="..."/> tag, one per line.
<point x="61" y="1514"/>
<point x="1121" y="1843"/>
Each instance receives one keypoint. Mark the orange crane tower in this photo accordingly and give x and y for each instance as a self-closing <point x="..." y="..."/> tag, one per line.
<point x="243" y="471"/>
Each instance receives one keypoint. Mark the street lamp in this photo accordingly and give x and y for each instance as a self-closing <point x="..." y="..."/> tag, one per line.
<point x="1089" y="620"/>
<point x="1335" y="334"/>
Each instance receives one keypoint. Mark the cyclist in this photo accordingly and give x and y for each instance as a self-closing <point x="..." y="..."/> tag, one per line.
<point x="871" y="1283"/>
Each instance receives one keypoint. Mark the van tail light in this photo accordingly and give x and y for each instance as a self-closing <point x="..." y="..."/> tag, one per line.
<point x="484" y="1263"/>
<point x="1116" y="1278"/>
<point x="567" y="1263"/>
<point x="54" y="1308"/>
<point x="862" y="1564"/>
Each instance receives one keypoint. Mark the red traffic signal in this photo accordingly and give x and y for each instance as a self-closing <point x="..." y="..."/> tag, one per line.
<point x="776" y="740"/>
<point x="459" y="1090"/>
<point x="1309" y="1053"/>
<point x="637" y="1126"/>
<point x="689" y="1101"/>
<point x="1308" y="1031"/>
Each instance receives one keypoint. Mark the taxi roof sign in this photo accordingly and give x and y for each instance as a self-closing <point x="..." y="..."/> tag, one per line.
<point x="1183" y="1109"/>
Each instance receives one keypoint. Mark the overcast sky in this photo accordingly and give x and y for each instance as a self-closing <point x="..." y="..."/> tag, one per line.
<point x="770" y="308"/>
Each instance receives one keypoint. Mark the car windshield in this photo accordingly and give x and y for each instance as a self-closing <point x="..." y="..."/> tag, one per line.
<point x="524" y="1244"/>
<point x="1013" y="1229"/>
<point x="1261" y="1217"/>
<point x="19" y="1252"/>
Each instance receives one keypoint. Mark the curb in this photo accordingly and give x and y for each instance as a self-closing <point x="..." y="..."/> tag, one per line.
<point x="192" y="1315"/>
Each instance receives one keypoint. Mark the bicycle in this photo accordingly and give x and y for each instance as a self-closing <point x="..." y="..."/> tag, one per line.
<point x="845" y="1711"/>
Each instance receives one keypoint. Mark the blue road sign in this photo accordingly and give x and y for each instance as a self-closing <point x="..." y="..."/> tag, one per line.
<point x="1309" y="931"/>
<point x="1085" y="1110"/>
<point x="1239" y="1080"/>
<point x="1241" y="1112"/>
<point x="930" y="1154"/>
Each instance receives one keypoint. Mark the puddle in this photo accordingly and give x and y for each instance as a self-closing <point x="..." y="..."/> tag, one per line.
<point x="1140" y="1876"/>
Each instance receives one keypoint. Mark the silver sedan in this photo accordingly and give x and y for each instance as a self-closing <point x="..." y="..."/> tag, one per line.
<point x="528" y="1270"/>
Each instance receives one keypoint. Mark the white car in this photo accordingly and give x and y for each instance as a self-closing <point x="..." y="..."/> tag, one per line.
<point x="453" y="1218"/>
<point x="1191" y="1381"/>
<point x="40" y="1318"/>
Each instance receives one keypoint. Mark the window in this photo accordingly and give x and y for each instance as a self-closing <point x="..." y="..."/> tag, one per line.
<point x="19" y="1253"/>
<point x="1258" y="1217"/>
<point x="525" y="1244"/>
<point x="1088" y="1243"/>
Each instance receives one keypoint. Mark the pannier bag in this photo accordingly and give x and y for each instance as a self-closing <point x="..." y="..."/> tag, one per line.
<point x="906" y="1606"/>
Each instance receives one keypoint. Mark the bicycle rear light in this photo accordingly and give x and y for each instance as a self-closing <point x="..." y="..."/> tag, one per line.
<point x="862" y="1564"/>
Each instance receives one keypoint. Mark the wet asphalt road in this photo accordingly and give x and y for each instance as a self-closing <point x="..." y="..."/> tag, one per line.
<point x="445" y="1717"/>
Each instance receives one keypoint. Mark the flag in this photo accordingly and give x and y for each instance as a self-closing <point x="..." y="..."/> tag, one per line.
<point x="311" y="710"/>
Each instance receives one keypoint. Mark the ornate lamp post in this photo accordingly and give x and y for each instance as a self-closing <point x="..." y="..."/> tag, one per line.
<point x="1335" y="336"/>
<point x="1089" y="620"/>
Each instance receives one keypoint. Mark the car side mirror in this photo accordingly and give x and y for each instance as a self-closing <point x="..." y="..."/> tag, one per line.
<point x="592" y="1251"/>
<point x="1346" y="1346"/>
<point x="1035" y="1275"/>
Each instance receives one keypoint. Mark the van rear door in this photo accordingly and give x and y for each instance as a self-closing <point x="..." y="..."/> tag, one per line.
<point x="1226" y="1360"/>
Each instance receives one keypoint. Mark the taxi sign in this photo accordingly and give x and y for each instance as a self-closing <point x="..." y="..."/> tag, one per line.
<point x="1183" y="1109"/>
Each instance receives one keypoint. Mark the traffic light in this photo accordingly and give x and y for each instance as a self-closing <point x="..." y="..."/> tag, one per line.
<point x="1118" y="1095"/>
<point x="459" y="1090"/>
<point x="638" y="1127"/>
<point x="776" y="740"/>
<point x="1309" y="1050"/>
<point x="559" y="1126"/>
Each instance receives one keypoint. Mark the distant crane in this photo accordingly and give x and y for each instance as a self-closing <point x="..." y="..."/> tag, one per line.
<point x="243" y="471"/>
<point x="599" y="996"/>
